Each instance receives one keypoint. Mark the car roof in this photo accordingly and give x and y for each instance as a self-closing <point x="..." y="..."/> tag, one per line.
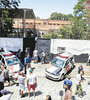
<point x="64" y="59"/>
<point x="65" y="55"/>
<point x="7" y="54"/>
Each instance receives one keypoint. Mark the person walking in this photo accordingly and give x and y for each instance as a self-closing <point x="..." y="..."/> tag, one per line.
<point x="68" y="93"/>
<point x="27" y="73"/>
<point x="6" y="75"/>
<point x="67" y="81"/>
<point x="1" y="81"/>
<point x="48" y="97"/>
<point x="27" y="61"/>
<point x="78" y="83"/>
<point x="18" y="54"/>
<point x="43" y="57"/>
<point x="35" y="56"/>
<point x="21" y="79"/>
<point x="88" y="62"/>
<point x="32" y="81"/>
<point x="80" y="68"/>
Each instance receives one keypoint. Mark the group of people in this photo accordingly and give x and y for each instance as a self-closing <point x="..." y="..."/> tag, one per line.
<point x="31" y="82"/>
<point x="4" y="76"/>
<point x="68" y="84"/>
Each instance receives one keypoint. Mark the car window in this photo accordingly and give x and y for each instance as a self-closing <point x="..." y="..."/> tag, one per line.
<point x="12" y="61"/>
<point x="57" y="62"/>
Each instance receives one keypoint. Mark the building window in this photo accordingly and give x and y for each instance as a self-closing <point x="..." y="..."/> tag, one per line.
<point x="44" y="23"/>
<point x="39" y="23"/>
<point x="50" y="24"/>
<point x="54" y="24"/>
<point x="31" y="23"/>
<point x="60" y="49"/>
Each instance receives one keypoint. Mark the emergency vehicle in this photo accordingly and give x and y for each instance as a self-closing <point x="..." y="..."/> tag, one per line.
<point x="60" y="66"/>
<point x="12" y="63"/>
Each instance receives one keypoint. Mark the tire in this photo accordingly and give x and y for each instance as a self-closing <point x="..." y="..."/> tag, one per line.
<point x="62" y="77"/>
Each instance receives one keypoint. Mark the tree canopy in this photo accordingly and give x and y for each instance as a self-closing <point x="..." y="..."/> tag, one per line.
<point x="9" y="3"/>
<point x="6" y="22"/>
<point x="60" y="16"/>
<point x="78" y="29"/>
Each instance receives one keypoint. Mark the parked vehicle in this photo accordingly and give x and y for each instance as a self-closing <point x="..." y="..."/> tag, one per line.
<point x="59" y="66"/>
<point x="12" y="62"/>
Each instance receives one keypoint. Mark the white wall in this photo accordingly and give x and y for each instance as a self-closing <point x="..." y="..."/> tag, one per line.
<point x="75" y="47"/>
<point x="12" y="44"/>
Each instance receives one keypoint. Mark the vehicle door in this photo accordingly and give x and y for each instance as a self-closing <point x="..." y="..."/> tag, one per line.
<point x="67" y="66"/>
<point x="2" y="62"/>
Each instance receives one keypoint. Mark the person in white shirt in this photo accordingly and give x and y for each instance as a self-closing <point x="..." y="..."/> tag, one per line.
<point x="21" y="79"/>
<point x="35" y="56"/>
<point x="78" y="83"/>
<point x="43" y="57"/>
<point x="1" y="81"/>
<point x="32" y="81"/>
<point x="88" y="62"/>
<point x="27" y="73"/>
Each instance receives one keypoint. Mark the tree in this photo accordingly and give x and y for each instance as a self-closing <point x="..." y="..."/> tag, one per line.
<point x="78" y="28"/>
<point x="79" y="9"/>
<point x="5" y="21"/>
<point x="60" y="16"/>
<point x="37" y="17"/>
<point x="66" y="32"/>
<point x="78" y="22"/>
<point x="9" y="3"/>
<point x="52" y="35"/>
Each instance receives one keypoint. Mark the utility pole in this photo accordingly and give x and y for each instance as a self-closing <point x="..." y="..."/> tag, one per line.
<point x="24" y="24"/>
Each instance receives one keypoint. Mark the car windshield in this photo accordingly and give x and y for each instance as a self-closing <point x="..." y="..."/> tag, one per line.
<point x="12" y="61"/>
<point x="57" y="62"/>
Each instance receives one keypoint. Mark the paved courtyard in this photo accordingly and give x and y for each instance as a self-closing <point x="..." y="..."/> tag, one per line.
<point x="55" y="89"/>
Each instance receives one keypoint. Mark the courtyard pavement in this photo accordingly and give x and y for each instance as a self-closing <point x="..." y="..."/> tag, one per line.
<point x="48" y="87"/>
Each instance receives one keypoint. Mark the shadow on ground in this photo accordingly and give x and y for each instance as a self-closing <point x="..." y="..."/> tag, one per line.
<point x="37" y="93"/>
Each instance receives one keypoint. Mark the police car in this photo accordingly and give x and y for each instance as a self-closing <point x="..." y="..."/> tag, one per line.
<point x="59" y="66"/>
<point x="12" y="63"/>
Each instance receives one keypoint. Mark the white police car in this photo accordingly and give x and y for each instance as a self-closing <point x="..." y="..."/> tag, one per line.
<point x="12" y="63"/>
<point x="59" y="66"/>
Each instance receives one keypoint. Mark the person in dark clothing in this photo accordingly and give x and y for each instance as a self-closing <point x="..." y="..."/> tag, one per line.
<point x="18" y="54"/>
<point x="27" y="61"/>
<point x="6" y="75"/>
<point x="2" y="50"/>
<point x="80" y="68"/>
<point x="1" y="81"/>
<point x="48" y="97"/>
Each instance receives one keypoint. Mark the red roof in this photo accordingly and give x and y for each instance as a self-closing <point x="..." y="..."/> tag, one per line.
<point x="62" y="56"/>
<point x="8" y="54"/>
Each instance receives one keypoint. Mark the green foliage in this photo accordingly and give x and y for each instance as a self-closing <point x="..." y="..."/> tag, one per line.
<point x="52" y="35"/>
<point x="79" y="9"/>
<point x="37" y="17"/>
<point x="60" y="16"/>
<point x="66" y="32"/>
<point x="78" y="28"/>
<point x="5" y="21"/>
<point x="9" y="3"/>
